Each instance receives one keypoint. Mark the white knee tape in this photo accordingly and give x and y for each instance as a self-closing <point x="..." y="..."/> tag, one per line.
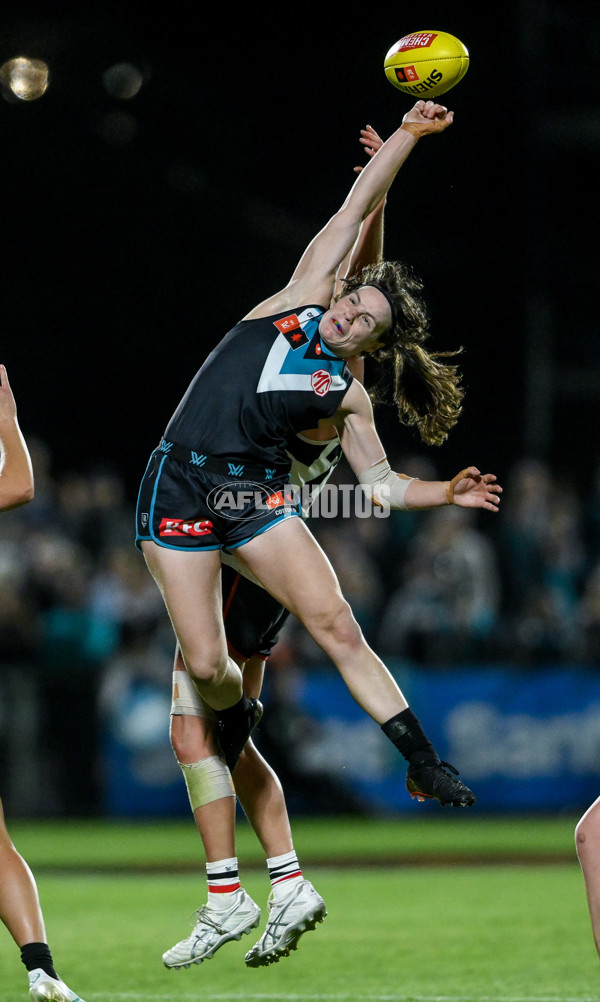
<point x="187" y="701"/>
<point x="207" y="780"/>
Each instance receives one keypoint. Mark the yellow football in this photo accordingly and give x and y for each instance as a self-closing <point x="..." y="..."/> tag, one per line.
<point x="426" y="63"/>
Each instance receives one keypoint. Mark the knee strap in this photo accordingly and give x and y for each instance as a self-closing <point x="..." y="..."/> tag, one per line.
<point x="207" y="780"/>
<point x="187" y="701"/>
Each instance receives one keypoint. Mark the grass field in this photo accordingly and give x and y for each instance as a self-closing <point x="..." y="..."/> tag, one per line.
<point x="446" y="908"/>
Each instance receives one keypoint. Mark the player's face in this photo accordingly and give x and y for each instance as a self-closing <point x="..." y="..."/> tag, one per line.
<point x="355" y="324"/>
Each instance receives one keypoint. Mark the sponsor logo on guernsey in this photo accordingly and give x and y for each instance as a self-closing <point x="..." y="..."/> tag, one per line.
<point x="321" y="382"/>
<point x="288" y="370"/>
<point x="292" y="331"/>
<point x="418" y="40"/>
<point x="184" y="527"/>
<point x="287" y="324"/>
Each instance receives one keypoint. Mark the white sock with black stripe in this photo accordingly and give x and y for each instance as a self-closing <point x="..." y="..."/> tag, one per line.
<point x="223" y="880"/>
<point x="284" y="873"/>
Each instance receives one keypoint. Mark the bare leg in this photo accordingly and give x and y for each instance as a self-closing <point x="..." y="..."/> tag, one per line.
<point x="587" y="844"/>
<point x="229" y="912"/>
<point x="314" y="596"/>
<point x="260" y="794"/>
<point x="257" y="786"/>
<point x="190" y="586"/>
<point x="305" y="583"/>
<point x="192" y="739"/>
<point x="21" y="912"/>
<point x="19" y="901"/>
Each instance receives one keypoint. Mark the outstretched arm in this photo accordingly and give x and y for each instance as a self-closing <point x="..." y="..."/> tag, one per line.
<point x="314" y="278"/>
<point x="368" y="246"/>
<point x="16" y="474"/>
<point x="365" y="453"/>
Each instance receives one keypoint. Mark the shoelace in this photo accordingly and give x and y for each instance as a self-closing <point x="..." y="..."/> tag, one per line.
<point x="204" y="916"/>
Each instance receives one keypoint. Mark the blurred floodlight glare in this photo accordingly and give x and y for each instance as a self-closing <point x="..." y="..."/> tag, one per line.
<point x="24" y="78"/>
<point x="123" y="80"/>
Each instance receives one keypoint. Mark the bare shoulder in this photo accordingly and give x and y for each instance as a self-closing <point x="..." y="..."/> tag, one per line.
<point x="298" y="292"/>
<point x="282" y="300"/>
<point x="357" y="398"/>
<point x="356" y="402"/>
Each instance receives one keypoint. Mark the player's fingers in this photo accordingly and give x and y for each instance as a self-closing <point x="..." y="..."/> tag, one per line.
<point x="491" y="484"/>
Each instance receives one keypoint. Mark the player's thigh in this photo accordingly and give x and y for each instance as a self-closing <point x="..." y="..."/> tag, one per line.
<point x="190" y="585"/>
<point x="291" y="565"/>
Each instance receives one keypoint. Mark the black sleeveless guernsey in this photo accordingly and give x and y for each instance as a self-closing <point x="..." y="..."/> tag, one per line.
<point x="267" y="380"/>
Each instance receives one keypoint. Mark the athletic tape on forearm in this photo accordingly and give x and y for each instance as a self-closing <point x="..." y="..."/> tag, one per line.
<point x="385" y="488"/>
<point x="207" y="780"/>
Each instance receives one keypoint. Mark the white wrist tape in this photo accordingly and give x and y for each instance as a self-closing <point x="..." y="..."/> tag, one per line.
<point x="385" y="488"/>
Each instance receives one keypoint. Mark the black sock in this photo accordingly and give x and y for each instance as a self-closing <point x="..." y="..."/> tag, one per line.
<point x="36" y="955"/>
<point x="406" y="733"/>
<point x="238" y="709"/>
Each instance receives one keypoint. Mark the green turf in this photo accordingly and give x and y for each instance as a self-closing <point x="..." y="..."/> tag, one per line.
<point x="443" y="933"/>
<point x="430" y="834"/>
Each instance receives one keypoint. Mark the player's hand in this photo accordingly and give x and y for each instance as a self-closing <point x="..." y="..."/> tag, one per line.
<point x="371" y="142"/>
<point x="472" y="489"/>
<point x="427" y="117"/>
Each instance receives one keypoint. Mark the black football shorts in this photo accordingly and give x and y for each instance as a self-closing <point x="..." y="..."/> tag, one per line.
<point x="189" y="502"/>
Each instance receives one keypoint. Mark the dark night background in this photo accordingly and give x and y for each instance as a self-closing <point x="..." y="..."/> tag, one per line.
<point x="136" y="232"/>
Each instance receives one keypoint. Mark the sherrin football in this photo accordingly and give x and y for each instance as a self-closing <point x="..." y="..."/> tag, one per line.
<point x="426" y="63"/>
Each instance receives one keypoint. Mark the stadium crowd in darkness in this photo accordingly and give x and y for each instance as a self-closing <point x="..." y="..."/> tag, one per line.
<point x="79" y="611"/>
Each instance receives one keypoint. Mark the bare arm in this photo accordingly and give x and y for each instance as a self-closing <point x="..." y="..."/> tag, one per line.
<point x="314" y="278"/>
<point x="16" y="473"/>
<point x="367" y="249"/>
<point x="368" y="246"/>
<point x="364" y="451"/>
